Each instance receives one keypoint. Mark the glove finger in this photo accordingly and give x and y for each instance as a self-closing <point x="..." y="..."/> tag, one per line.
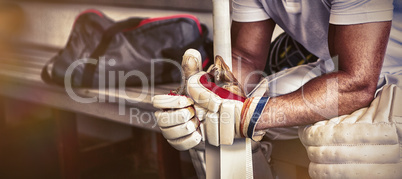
<point x="212" y="128"/>
<point x="171" y="101"/>
<point x="180" y="130"/>
<point x="202" y="130"/>
<point x="200" y="112"/>
<point x="186" y="142"/>
<point x="225" y="78"/>
<point x="191" y="63"/>
<point x="229" y="115"/>
<point x="174" y="117"/>
<point x="207" y="94"/>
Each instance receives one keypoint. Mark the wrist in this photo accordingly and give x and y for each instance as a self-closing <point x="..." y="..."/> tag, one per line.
<point x="250" y="115"/>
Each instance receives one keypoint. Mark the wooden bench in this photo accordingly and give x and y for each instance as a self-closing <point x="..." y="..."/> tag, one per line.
<point x="47" y="26"/>
<point x="45" y="31"/>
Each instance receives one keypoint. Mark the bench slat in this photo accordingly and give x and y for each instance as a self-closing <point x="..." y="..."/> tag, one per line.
<point x="20" y="78"/>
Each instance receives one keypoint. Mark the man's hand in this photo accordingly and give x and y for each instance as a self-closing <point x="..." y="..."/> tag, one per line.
<point x="360" y="49"/>
<point x="179" y="119"/>
<point x="220" y="103"/>
<point x="220" y="93"/>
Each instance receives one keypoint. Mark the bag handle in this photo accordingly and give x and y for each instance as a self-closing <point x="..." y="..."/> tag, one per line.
<point x="100" y="49"/>
<point x="45" y="75"/>
<point x="177" y="53"/>
<point x="89" y="69"/>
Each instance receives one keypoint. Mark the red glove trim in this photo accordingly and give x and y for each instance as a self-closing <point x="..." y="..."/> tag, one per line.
<point x="221" y="92"/>
<point x="171" y="93"/>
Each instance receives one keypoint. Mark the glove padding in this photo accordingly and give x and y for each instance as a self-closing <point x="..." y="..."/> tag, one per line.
<point x="180" y="121"/>
<point x="365" y="144"/>
<point x="230" y="114"/>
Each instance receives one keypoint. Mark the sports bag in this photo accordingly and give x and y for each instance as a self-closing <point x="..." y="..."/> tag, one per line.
<point x="135" y="51"/>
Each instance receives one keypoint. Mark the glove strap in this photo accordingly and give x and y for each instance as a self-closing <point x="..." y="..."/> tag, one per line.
<point x="250" y="115"/>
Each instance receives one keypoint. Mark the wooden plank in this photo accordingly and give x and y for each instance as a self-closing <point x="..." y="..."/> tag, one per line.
<point x="26" y="47"/>
<point x="24" y="74"/>
<point x="24" y="61"/>
<point x="28" y="78"/>
<point x="21" y="69"/>
<point x="67" y="140"/>
<point x="9" y="75"/>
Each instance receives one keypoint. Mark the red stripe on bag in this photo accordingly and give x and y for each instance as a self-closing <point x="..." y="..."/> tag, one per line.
<point x="86" y="12"/>
<point x="149" y="20"/>
<point x="91" y="11"/>
<point x="221" y="92"/>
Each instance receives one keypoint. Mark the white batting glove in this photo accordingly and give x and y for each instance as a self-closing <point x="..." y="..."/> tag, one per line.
<point x="180" y="121"/>
<point x="230" y="114"/>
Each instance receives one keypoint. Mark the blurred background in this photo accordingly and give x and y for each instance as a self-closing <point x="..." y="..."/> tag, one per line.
<point x="45" y="134"/>
<point x="31" y="32"/>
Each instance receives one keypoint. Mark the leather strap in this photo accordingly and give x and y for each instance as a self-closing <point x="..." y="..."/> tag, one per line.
<point x="107" y="37"/>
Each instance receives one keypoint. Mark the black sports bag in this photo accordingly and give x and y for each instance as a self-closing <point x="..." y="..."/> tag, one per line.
<point x="136" y="51"/>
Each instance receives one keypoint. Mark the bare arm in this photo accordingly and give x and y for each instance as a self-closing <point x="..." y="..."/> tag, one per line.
<point x="360" y="49"/>
<point x="250" y="46"/>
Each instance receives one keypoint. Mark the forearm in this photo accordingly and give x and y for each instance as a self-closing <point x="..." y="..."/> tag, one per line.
<point x="361" y="50"/>
<point x="322" y="98"/>
<point x="250" y="46"/>
<point x="245" y="72"/>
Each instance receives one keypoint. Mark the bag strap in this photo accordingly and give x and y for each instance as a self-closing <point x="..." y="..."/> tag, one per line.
<point x="45" y="75"/>
<point x="89" y="69"/>
<point x="177" y="53"/>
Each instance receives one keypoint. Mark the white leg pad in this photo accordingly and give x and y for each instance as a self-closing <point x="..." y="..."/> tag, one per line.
<point x="364" y="144"/>
<point x="353" y="170"/>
